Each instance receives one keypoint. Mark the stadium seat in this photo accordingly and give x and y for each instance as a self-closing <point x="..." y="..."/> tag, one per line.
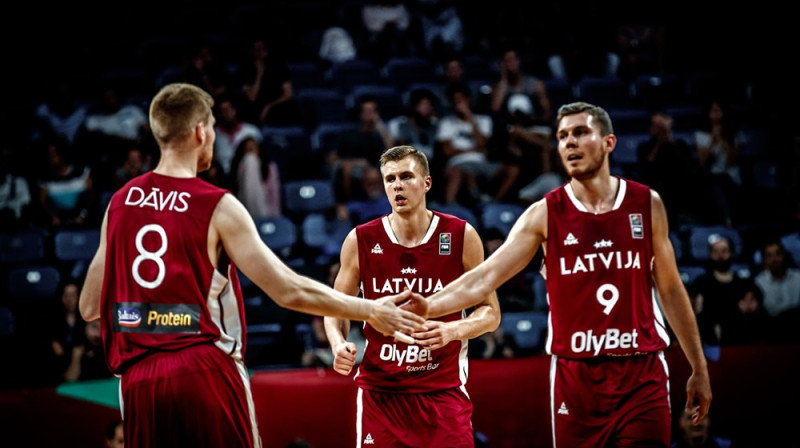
<point x="459" y="211"/>
<point x="500" y="215"/>
<point x="308" y="196"/>
<point x="689" y="273"/>
<point x="76" y="245"/>
<point x="388" y="97"/>
<point x="346" y="74"/>
<point x="528" y="329"/>
<point x="278" y="232"/>
<point x="699" y="240"/>
<point x="625" y="153"/>
<point x="318" y="104"/>
<point x="325" y="136"/>
<point x="21" y="247"/>
<point x="33" y="282"/>
<point x="404" y="71"/>
<point x="606" y="92"/>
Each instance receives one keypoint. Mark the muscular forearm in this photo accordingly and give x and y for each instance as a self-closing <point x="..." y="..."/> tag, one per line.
<point x="467" y="291"/>
<point x="681" y="318"/>
<point x="483" y="320"/>
<point x="336" y="330"/>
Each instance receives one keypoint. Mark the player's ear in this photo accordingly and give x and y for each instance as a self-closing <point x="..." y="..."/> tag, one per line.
<point x="428" y="182"/>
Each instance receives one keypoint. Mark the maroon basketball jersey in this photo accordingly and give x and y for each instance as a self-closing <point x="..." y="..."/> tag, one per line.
<point x="599" y="276"/>
<point x="160" y="290"/>
<point x="389" y="268"/>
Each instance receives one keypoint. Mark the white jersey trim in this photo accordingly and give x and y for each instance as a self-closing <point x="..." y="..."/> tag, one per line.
<point x="387" y="227"/>
<point x="224" y="311"/>
<point x="623" y="188"/>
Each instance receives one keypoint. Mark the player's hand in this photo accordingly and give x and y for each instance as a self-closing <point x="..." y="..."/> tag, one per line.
<point x="344" y="357"/>
<point x="698" y="396"/>
<point x="417" y="305"/>
<point x="387" y="317"/>
<point x="436" y="335"/>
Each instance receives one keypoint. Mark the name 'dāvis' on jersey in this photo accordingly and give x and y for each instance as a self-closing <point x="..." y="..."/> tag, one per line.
<point x="156" y="199"/>
<point x="594" y="261"/>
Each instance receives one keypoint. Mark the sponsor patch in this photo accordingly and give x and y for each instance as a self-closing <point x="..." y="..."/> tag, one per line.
<point x="157" y="318"/>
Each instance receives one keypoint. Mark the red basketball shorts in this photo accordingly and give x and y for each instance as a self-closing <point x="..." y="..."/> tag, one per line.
<point x="610" y="401"/>
<point x="195" y="397"/>
<point x="435" y="419"/>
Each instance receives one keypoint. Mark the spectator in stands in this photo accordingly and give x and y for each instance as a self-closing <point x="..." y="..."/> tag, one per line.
<point x="418" y="126"/>
<point x="204" y="70"/>
<point x="374" y="204"/>
<point x="67" y="328"/>
<point x="356" y="151"/>
<point x="520" y="141"/>
<point x="266" y="86"/>
<point x="60" y="113"/>
<point x="779" y="281"/>
<point x="717" y="291"/>
<point x="135" y="163"/>
<point x="690" y="435"/>
<point x="749" y="324"/>
<point x="116" y="119"/>
<point x="659" y="158"/>
<point x="231" y="131"/>
<point x="15" y="194"/>
<point x="464" y="137"/>
<point x="515" y="294"/>
<point x="513" y="81"/>
<point x="257" y="180"/>
<point x="115" y="435"/>
<point x="388" y="30"/>
<point x="718" y="147"/>
<point x="66" y="190"/>
<point x="87" y="359"/>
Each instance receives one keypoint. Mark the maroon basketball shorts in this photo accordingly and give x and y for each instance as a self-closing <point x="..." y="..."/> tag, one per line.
<point x="433" y="419"/>
<point x="610" y="401"/>
<point x="194" y="397"/>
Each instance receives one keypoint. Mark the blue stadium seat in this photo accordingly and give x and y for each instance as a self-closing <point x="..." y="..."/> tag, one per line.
<point x="21" y="247"/>
<point x="278" y="232"/>
<point x="346" y="74"/>
<point x="33" y="282"/>
<point x="527" y="328"/>
<point x="606" y="92"/>
<point x="625" y="153"/>
<point x="388" y="97"/>
<point x="319" y="104"/>
<point x="76" y="245"/>
<point x="699" y="240"/>
<point x="308" y="196"/>
<point x="500" y="215"/>
<point x="689" y="273"/>
<point x="325" y="136"/>
<point x="459" y="211"/>
<point x="404" y="71"/>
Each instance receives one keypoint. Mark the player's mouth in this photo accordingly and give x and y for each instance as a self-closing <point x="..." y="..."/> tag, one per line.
<point x="574" y="157"/>
<point x="400" y="199"/>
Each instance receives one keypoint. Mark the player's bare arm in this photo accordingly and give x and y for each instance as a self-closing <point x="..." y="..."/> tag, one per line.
<point x="524" y="239"/>
<point x="234" y="229"/>
<point x="677" y="308"/>
<point x="337" y="329"/>
<point x="89" y="302"/>
<point x="484" y="318"/>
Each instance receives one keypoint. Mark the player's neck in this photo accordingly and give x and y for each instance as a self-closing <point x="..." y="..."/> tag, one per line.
<point x="598" y="193"/>
<point x="411" y="228"/>
<point x="176" y="164"/>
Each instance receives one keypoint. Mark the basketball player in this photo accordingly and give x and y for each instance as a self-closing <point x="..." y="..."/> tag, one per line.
<point x="411" y="394"/>
<point x="606" y="248"/>
<point x="164" y="285"/>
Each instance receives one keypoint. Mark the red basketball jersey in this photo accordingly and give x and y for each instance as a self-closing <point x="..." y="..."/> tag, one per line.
<point x="389" y="268"/>
<point x="599" y="276"/>
<point x="160" y="290"/>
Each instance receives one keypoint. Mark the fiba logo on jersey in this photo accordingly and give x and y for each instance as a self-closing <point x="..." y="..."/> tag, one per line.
<point x="444" y="243"/>
<point x="637" y="227"/>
